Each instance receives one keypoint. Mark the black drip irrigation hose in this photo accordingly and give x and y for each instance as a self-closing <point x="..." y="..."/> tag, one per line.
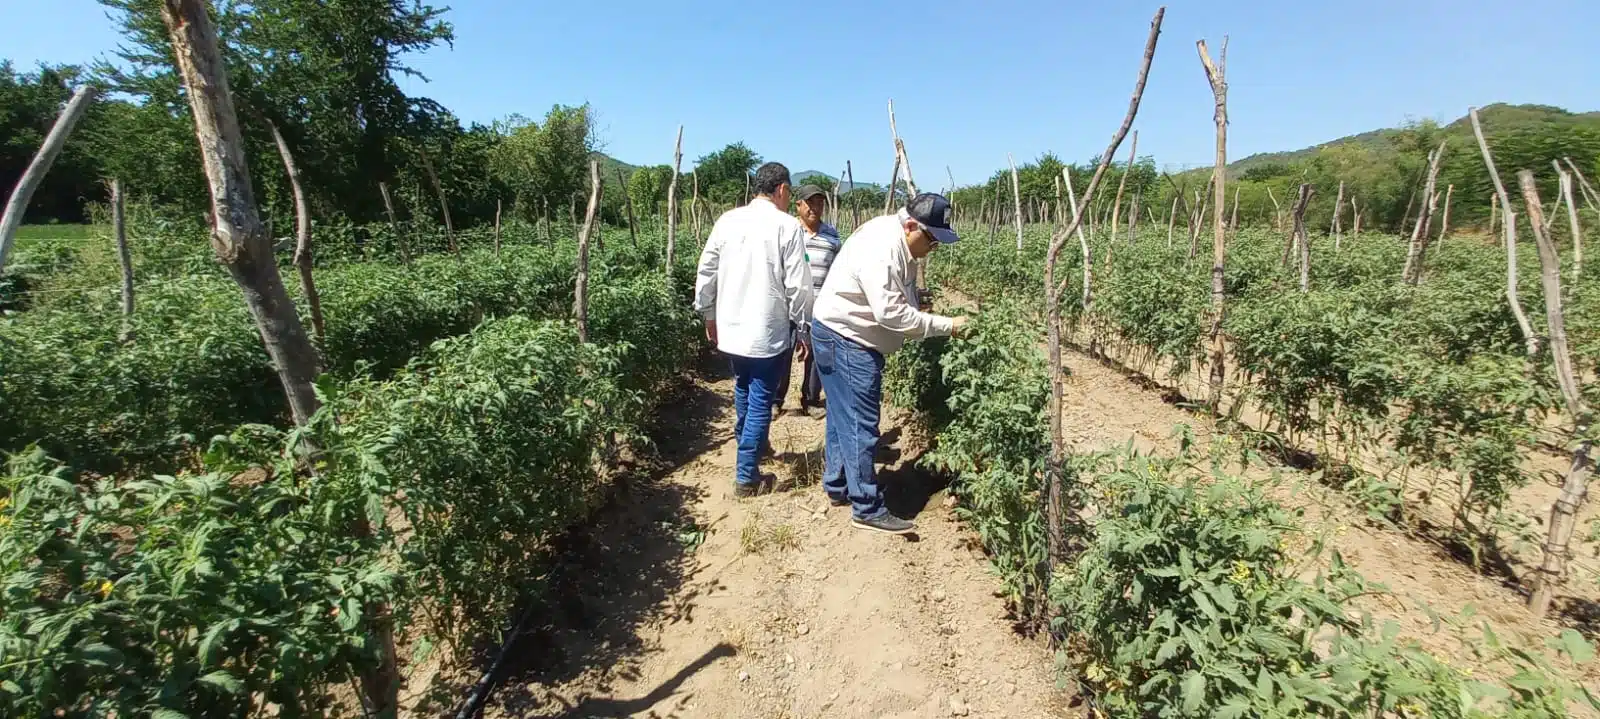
<point x="473" y="706"/>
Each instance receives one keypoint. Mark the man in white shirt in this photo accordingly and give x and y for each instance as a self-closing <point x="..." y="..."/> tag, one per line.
<point x="754" y="291"/>
<point x="867" y="310"/>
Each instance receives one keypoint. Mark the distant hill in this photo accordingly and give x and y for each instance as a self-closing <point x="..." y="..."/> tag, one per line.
<point x="799" y="178"/>
<point x="1500" y="116"/>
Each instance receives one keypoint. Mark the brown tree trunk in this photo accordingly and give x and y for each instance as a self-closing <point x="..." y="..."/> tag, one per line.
<point x="1116" y="203"/>
<point x="1303" y="238"/>
<point x="1217" y="75"/>
<point x="1508" y="219"/>
<point x="302" y="238"/>
<point x="394" y="224"/>
<point x="1055" y="468"/>
<point x="1016" y="195"/>
<point x="1564" y="513"/>
<point x="444" y="205"/>
<point x="580" y="293"/>
<point x="672" y="200"/>
<point x="119" y="232"/>
<point x="17" y="204"/>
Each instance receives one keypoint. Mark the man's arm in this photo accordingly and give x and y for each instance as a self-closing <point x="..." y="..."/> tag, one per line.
<point x="705" y="284"/>
<point x="885" y="292"/>
<point x="797" y="277"/>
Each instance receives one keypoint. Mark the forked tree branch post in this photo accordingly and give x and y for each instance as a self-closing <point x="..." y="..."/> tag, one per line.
<point x="1508" y="219"/>
<point x="1337" y="228"/>
<point x="1572" y="220"/>
<point x="580" y="292"/>
<point x="302" y="237"/>
<point x="1083" y="241"/>
<point x="1444" y="216"/>
<point x="1116" y="203"/>
<point x="1418" y="248"/>
<point x="22" y="194"/>
<point x="904" y="162"/>
<point x="672" y="200"/>
<point x="1564" y="512"/>
<point x="1302" y="239"/>
<point x="444" y="205"/>
<point x="119" y="233"/>
<point x="1056" y="465"/>
<point x="1216" y="75"/>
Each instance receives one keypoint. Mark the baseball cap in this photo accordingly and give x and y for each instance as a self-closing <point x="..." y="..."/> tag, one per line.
<point x="932" y="211"/>
<point x="806" y="192"/>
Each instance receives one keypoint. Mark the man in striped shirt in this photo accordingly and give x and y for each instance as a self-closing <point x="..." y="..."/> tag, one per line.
<point x="822" y="243"/>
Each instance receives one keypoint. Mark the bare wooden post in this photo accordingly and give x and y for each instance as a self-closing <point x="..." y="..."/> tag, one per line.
<point x="1564" y="513"/>
<point x="394" y="224"/>
<point x="746" y="188"/>
<point x="900" y="155"/>
<point x="694" y="206"/>
<point x="119" y="232"/>
<point x="1572" y="219"/>
<point x="633" y="232"/>
<point x="1337" y="228"/>
<point x="1217" y="75"/>
<point x="672" y="200"/>
<point x="1494" y="214"/>
<point x="1172" y="217"/>
<point x="1277" y="210"/>
<point x="1355" y="213"/>
<point x="1083" y="241"/>
<point x="1508" y="218"/>
<point x="1133" y="219"/>
<point x="952" y="177"/>
<point x="302" y="234"/>
<point x="1444" y="218"/>
<point x="1116" y="203"/>
<point x="17" y="205"/>
<point x="444" y="205"/>
<point x="580" y="294"/>
<point x="894" y="179"/>
<point x="497" y="227"/>
<point x="1016" y="195"/>
<point x="1419" y="235"/>
<point x="855" y="210"/>
<point x="1056" y="466"/>
<point x="1303" y="238"/>
<point x="1233" y="215"/>
<point x="994" y="219"/>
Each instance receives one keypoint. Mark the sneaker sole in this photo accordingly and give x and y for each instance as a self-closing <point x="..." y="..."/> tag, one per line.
<point x="858" y="524"/>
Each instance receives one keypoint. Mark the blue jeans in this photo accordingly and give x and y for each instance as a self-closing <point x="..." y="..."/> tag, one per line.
<point x="852" y="377"/>
<point x="754" y="388"/>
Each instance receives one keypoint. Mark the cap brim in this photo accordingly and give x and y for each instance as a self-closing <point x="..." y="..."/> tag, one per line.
<point x="944" y="235"/>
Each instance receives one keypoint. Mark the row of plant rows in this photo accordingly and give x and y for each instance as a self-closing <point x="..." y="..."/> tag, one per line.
<point x="1433" y="379"/>
<point x="195" y="365"/>
<point x="433" y="494"/>
<point x="1183" y="594"/>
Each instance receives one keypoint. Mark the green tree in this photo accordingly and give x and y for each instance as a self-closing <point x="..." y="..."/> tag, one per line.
<point x="545" y="164"/>
<point x="648" y="188"/>
<point x="725" y="173"/>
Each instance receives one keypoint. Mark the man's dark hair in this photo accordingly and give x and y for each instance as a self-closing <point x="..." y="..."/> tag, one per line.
<point x="770" y="177"/>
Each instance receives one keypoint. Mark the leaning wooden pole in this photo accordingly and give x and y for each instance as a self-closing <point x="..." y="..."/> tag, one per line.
<point x="1055" y="467"/>
<point x="497" y="208"/>
<point x="1337" y="227"/>
<point x="1444" y="215"/>
<point x="1083" y="241"/>
<point x="119" y="233"/>
<point x="900" y="156"/>
<point x="855" y="210"/>
<point x="1122" y="185"/>
<point x="580" y="292"/>
<point x="1303" y="238"/>
<point x="1418" y="248"/>
<point x="394" y="223"/>
<point x="1572" y="220"/>
<point x="1216" y="74"/>
<point x="1172" y="218"/>
<point x="444" y="205"/>
<point x="17" y="205"/>
<point x="894" y="180"/>
<point x="1016" y="196"/>
<point x="694" y="206"/>
<point x="1233" y="215"/>
<point x="1508" y="219"/>
<point x="302" y="238"/>
<point x="1564" y="513"/>
<point x="672" y="200"/>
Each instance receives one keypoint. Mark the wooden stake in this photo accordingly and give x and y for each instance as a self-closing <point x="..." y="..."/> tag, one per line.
<point x="444" y="207"/>
<point x="672" y="200"/>
<point x="1303" y="238"/>
<point x="1083" y="241"/>
<point x="394" y="224"/>
<point x="1419" y="235"/>
<point x="1337" y="228"/>
<point x="1508" y="218"/>
<point x="622" y="182"/>
<point x="1277" y="210"/>
<point x="694" y="206"/>
<point x="17" y="205"/>
<point x="952" y="177"/>
<point x="1572" y="220"/>
<point x="894" y="180"/>
<point x="1172" y="217"/>
<point x="900" y="156"/>
<point x="1444" y="219"/>
<point x="1494" y="214"/>
<point x="1355" y="212"/>
<point x="1116" y="204"/>
<point x="302" y="241"/>
<point x="119" y="232"/>
<point x="1016" y="194"/>
<point x="1217" y="76"/>
<point x="497" y="227"/>
<point x="1055" y="468"/>
<point x="855" y="210"/>
<point x="1564" y="513"/>
<point x="580" y="294"/>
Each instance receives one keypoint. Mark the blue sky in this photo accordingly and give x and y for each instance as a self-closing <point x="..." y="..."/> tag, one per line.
<point x="806" y="84"/>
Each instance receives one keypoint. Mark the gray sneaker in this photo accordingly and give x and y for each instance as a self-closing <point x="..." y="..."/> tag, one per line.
<point x="887" y="523"/>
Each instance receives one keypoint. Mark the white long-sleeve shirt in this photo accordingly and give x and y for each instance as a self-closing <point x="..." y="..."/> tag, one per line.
<point x="754" y="280"/>
<point x="870" y="294"/>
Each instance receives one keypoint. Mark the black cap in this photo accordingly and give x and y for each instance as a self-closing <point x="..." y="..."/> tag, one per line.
<point x="806" y="192"/>
<point x="932" y="210"/>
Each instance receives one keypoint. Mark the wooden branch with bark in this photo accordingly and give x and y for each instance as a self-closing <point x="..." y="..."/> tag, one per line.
<point x="119" y="234"/>
<point x="22" y="194"/>
<point x="1508" y="218"/>
<point x="302" y="238"/>
<point x="1116" y="203"/>
<point x="672" y="200"/>
<point x="1016" y="195"/>
<point x="580" y="292"/>
<point x="1417" y="250"/>
<point x="1216" y="75"/>
<point x="1302" y="239"/>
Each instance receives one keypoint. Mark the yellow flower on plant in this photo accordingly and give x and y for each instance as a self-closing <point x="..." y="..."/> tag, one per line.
<point x="105" y="588"/>
<point x="1241" y="573"/>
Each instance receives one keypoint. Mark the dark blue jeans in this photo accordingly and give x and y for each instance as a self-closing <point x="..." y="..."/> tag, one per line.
<point x="852" y="377"/>
<point x="755" y="387"/>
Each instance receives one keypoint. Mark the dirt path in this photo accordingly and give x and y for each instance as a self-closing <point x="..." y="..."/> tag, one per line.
<point x="683" y="602"/>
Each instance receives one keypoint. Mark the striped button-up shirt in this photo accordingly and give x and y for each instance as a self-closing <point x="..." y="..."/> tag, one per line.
<point x="821" y="246"/>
